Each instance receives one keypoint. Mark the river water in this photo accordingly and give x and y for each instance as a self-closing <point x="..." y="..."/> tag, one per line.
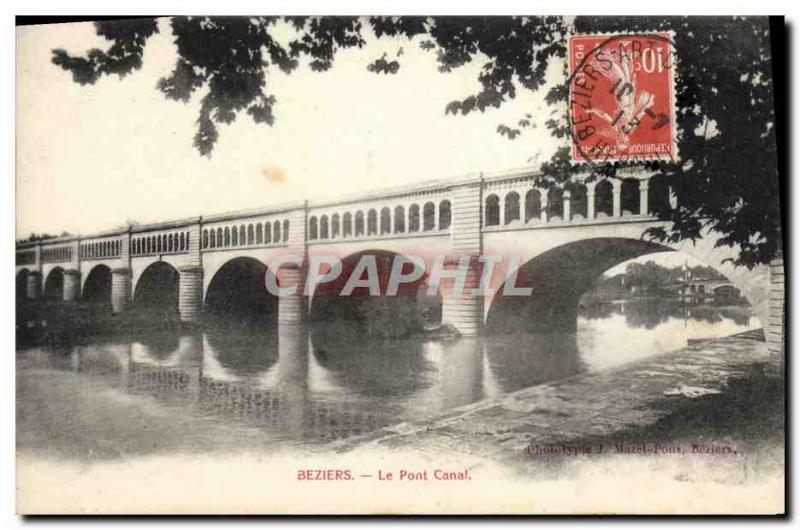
<point x="230" y="388"/>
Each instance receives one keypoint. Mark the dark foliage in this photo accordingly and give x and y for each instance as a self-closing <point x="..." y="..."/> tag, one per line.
<point x="725" y="180"/>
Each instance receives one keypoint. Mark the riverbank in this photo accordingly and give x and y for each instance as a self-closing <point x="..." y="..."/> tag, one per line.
<point x="720" y="394"/>
<point x="68" y="323"/>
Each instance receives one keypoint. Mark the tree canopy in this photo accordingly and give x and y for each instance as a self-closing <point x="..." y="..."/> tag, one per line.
<point x="725" y="179"/>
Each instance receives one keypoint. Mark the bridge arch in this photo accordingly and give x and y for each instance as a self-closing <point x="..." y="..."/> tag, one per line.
<point x="658" y="195"/>
<point x="445" y="215"/>
<point x="238" y="290"/>
<point x="386" y="220"/>
<point x="323" y="227"/>
<point x="156" y="291"/>
<point x="372" y="222"/>
<point x="579" y="200"/>
<point x="413" y="218"/>
<point x="347" y="224"/>
<point x="558" y="278"/>
<point x="399" y="219"/>
<point x="359" y="229"/>
<point x="54" y="284"/>
<point x="629" y="196"/>
<point x="533" y="205"/>
<point x="429" y="216"/>
<point x="604" y="199"/>
<point x="511" y="207"/>
<point x="407" y="312"/>
<point x="555" y="203"/>
<point x="491" y="213"/>
<point x="97" y="286"/>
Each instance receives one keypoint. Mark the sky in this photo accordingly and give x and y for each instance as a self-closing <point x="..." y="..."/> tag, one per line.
<point x="91" y="158"/>
<point x="96" y="157"/>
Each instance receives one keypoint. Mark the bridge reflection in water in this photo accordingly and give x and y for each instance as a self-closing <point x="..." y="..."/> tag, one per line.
<point x="315" y="385"/>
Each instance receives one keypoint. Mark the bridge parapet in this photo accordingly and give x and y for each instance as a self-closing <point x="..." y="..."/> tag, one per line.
<point x="262" y="231"/>
<point x="99" y="249"/>
<point x="26" y="257"/>
<point x="517" y="200"/>
<point x="428" y="210"/>
<point x="58" y="254"/>
<point x="165" y="241"/>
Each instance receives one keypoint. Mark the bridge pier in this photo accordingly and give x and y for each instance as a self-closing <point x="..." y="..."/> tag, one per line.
<point x="72" y="285"/>
<point x="774" y="328"/>
<point x="33" y="285"/>
<point x="291" y="307"/>
<point x="293" y="376"/>
<point x="120" y="289"/>
<point x="292" y="356"/>
<point x="190" y="293"/>
<point x="190" y="347"/>
<point x="644" y="186"/>
<point x="544" y="201"/>
<point x="617" y="194"/>
<point x="463" y="309"/>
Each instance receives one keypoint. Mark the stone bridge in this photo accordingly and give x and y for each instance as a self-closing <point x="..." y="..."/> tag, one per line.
<point x="707" y="288"/>
<point x="559" y="240"/>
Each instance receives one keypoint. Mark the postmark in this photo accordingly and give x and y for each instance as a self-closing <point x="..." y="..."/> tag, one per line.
<point x="622" y="98"/>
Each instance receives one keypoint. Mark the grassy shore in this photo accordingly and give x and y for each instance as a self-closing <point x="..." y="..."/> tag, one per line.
<point x="56" y="322"/>
<point x="749" y="412"/>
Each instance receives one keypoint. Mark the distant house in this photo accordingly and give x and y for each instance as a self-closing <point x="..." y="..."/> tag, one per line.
<point x="710" y="288"/>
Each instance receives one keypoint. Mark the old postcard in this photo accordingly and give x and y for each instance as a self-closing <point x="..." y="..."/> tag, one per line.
<point x="399" y="265"/>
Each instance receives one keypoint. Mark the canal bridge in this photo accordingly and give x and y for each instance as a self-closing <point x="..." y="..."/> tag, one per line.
<point x="707" y="288"/>
<point x="558" y="239"/>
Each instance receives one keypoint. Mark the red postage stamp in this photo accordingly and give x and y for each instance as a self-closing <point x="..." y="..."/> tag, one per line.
<point x="622" y="98"/>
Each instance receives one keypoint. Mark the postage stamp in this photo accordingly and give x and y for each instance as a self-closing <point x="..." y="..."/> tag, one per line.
<point x="622" y="97"/>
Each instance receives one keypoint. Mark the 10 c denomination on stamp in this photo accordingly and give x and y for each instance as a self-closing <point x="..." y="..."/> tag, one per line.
<point x="622" y="98"/>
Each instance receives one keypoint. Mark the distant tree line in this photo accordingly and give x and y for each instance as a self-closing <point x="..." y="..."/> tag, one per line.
<point x="42" y="237"/>
<point x="650" y="277"/>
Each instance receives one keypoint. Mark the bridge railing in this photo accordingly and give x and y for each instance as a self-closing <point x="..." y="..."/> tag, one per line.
<point x="162" y="242"/>
<point x="425" y="213"/>
<point x="264" y="231"/>
<point x="57" y="254"/>
<point x="517" y="201"/>
<point x="100" y="249"/>
<point x="26" y="257"/>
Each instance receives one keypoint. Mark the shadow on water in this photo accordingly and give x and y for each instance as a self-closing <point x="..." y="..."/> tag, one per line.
<point x="242" y="348"/>
<point x="158" y="344"/>
<point x="370" y="366"/>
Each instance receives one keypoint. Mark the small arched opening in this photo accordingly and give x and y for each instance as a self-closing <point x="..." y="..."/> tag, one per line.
<point x="604" y="199"/>
<point x="511" y="207"/>
<point x="491" y="213"/>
